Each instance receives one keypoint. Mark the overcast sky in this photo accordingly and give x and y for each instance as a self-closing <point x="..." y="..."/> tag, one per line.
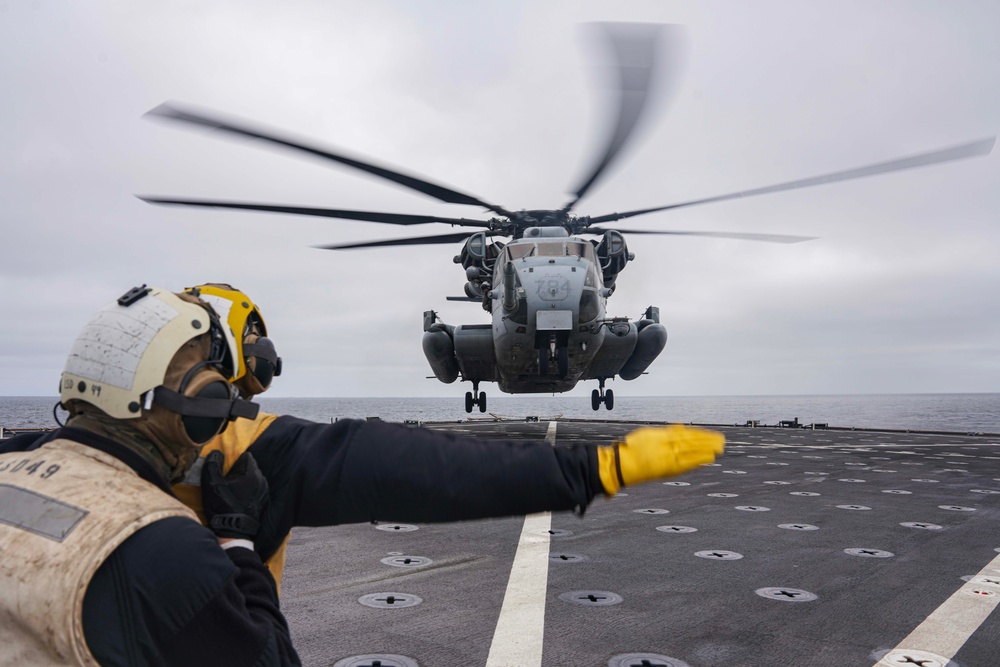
<point x="898" y="294"/>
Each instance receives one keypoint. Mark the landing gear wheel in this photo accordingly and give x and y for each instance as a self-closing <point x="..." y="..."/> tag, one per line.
<point x="563" y="361"/>
<point x="468" y="401"/>
<point x="543" y="361"/>
<point x="482" y="401"/>
<point x="609" y="399"/>
<point x="595" y="399"/>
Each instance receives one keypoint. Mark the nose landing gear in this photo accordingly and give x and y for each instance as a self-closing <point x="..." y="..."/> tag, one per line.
<point x="553" y="350"/>
<point x="599" y="396"/>
<point x="475" y="397"/>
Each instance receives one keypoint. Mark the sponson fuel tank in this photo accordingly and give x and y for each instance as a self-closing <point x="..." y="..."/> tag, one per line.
<point x="439" y="348"/>
<point x="650" y="342"/>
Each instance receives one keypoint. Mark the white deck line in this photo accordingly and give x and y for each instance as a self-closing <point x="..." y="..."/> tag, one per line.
<point x="517" y="641"/>
<point x="949" y="626"/>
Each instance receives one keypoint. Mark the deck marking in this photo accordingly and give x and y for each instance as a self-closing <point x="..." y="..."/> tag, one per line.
<point x="517" y="641"/>
<point x="550" y="433"/>
<point x="950" y="625"/>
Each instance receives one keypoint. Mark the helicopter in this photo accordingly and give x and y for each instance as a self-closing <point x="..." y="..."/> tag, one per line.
<point x="547" y="287"/>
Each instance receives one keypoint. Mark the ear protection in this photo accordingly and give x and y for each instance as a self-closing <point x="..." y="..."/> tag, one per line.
<point x="258" y="362"/>
<point x="205" y="404"/>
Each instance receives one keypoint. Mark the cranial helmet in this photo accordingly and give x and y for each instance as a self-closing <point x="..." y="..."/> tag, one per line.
<point x="257" y="361"/>
<point x="161" y="362"/>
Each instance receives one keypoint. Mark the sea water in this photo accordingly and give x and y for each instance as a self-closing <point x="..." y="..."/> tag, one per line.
<point x="962" y="413"/>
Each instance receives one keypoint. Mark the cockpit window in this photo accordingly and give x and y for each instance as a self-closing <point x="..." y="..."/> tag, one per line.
<point x="578" y="249"/>
<point x="519" y="250"/>
<point x="551" y="249"/>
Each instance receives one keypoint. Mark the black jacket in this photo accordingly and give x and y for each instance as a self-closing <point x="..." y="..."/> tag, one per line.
<point x="357" y="471"/>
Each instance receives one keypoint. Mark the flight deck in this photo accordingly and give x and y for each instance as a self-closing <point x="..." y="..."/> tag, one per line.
<point x="799" y="547"/>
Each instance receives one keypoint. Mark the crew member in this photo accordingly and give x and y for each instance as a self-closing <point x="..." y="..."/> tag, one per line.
<point x="101" y="563"/>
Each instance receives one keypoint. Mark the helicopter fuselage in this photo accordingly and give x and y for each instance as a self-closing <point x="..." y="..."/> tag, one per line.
<point x="546" y="306"/>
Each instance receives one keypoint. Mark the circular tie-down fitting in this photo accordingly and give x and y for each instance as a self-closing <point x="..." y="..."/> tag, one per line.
<point x="689" y="484"/>
<point x="554" y="532"/>
<point x="926" y="481"/>
<point x="377" y="660"/>
<point x="957" y="508"/>
<point x="753" y="508"/>
<point x="777" y="482"/>
<point x="723" y="495"/>
<point x="591" y="598"/>
<point x="407" y="561"/>
<point x="567" y="558"/>
<point x="980" y="592"/>
<point x="645" y="660"/>
<point x="860" y="508"/>
<point x="853" y="481"/>
<point x="676" y="529"/>
<point x="898" y="492"/>
<point x="798" y="526"/>
<point x="396" y="527"/>
<point x="923" y="525"/>
<point x="652" y="511"/>
<point x="390" y="600"/>
<point x="718" y="554"/>
<point x="786" y="594"/>
<point x="869" y="553"/>
<point x="983" y="491"/>
<point x="902" y="657"/>
<point x="803" y="493"/>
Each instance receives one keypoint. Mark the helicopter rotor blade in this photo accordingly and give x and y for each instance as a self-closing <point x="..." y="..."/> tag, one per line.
<point x="743" y="236"/>
<point x="635" y="48"/>
<point x="170" y="111"/>
<point x="960" y="152"/>
<point x="369" y="216"/>
<point x="416" y="240"/>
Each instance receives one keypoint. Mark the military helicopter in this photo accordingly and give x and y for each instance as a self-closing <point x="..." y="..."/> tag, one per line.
<point x="547" y="287"/>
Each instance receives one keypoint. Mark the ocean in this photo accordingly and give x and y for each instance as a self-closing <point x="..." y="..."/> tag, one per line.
<point x="961" y="413"/>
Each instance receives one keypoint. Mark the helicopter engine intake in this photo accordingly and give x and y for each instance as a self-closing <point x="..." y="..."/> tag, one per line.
<point x="613" y="254"/>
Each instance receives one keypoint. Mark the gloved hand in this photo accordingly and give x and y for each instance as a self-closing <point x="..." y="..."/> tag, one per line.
<point x="654" y="452"/>
<point x="233" y="503"/>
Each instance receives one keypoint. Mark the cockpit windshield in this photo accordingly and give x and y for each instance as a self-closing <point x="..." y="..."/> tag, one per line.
<point x="519" y="250"/>
<point x="553" y="248"/>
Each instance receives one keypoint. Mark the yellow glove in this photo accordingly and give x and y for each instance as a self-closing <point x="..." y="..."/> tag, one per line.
<point x="653" y="452"/>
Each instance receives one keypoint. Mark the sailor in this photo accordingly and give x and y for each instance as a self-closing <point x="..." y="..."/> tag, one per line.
<point x="355" y="471"/>
<point x="101" y="563"/>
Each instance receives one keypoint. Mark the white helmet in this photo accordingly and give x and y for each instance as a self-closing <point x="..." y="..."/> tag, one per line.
<point x="119" y="364"/>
